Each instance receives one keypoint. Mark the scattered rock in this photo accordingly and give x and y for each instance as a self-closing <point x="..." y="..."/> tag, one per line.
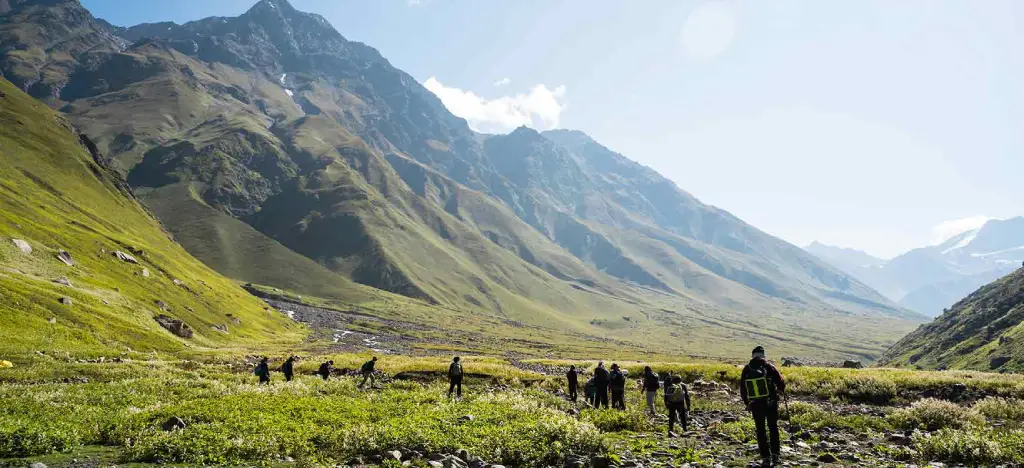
<point x="221" y="328"/>
<point x="173" y="424"/>
<point x="468" y="417"/>
<point x="848" y="364"/>
<point x="162" y="305"/>
<point x="849" y="457"/>
<point x="394" y="455"/>
<point x="53" y="320"/>
<point x="23" y="246"/>
<point x="827" y="458"/>
<point x="63" y="280"/>
<point x="175" y="326"/>
<point x="65" y="300"/>
<point x="145" y="272"/>
<point x="600" y="462"/>
<point x="125" y="257"/>
<point x="463" y="454"/>
<point x="36" y="464"/>
<point x="65" y="257"/>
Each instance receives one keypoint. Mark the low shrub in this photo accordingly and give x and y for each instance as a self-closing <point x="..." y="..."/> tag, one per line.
<point x="977" y="447"/>
<point x="931" y="414"/>
<point x="1009" y="409"/>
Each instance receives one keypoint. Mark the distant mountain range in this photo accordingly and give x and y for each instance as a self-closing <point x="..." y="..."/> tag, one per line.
<point x="268" y="141"/>
<point x="931" y="279"/>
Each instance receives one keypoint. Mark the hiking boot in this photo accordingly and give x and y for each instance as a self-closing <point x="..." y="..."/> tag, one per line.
<point x="776" y="461"/>
<point x="766" y="463"/>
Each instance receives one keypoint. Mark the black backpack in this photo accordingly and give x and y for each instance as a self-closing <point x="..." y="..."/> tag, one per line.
<point x="651" y="382"/>
<point x="758" y="382"/>
<point x="618" y="379"/>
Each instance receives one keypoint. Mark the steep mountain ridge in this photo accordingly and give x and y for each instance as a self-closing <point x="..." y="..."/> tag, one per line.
<point x="930" y="279"/>
<point x="318" y="146"/>
<point x="985" y="331"/>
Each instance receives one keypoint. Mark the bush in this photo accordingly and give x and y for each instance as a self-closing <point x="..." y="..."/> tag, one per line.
<point x="972" y="447"/>
<point x="1010" y="409"/>
<point x="932" y="415"/>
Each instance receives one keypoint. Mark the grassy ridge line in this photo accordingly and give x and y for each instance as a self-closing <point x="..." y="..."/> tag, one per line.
<point x="56" y="197"/>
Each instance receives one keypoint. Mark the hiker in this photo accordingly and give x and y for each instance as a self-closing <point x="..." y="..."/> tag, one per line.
<point x="288" y="368"/>
<point x="263" y="371"/>
<point x="367" y="372"/>
<point x="677" y="402"/>
<point x="650" y="388"/>
<point x="760" y="387"/>
<point x="590" y="391"/>
<point x="325" y="369"/>
<point x="617" y="384"/>
<point x="455" y="378"/>
<point x="573" y="377"/>
<point x="600" y="386"/>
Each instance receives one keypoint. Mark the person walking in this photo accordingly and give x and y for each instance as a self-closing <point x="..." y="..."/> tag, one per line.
<point x="573" y="377"/>
<point x="263" y="371"/>
<point x="367" y="372"/>
<point x="677" y="402"/>
<point x="600" y="386"/>
<point x="288" y="368"/>
<point x="760" y="386"/>
<point x="650" y="388"/>
<point x="455" y="378"/>
<point x="325" y="369"/>
<point x="617" y="384"/>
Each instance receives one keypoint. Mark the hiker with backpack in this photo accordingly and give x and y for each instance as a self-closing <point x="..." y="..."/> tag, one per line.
<point x="325" y="369"/>
<point x="590" y="391"/>
<point x="573" y="378"/>
<point x="650" y="388"/>
<point x="288" y="368"/>
<point x="617" y="384"/>
<point x="262" y="371"/>
<point x="600" y="386"/>
<point x="455" y="378"/>
<point x="677" y="402"/>
<point x="367" y="372"/>
<point x="760" y="387"/>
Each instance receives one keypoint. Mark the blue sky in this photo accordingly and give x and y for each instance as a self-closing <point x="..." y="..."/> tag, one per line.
<point x="877" y="125"/>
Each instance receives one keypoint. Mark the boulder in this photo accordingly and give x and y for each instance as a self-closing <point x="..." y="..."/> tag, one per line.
<point x="175" y="326"/>
<point x="36" y="464"/>
<point x="393" y="455"/>
<point x="172" y="424"/>
<point x="791" y="363"/>
<point x="63" y="280"/>
<point x="52" y="320"/>
<point x="221" y="328"/>
<point x="848" y="364"/>
<point x="827" y="458"/>
<point x="22" y="245"/>
<point x="145" y="273"/>
<point x="125" y="257"/>
<point x="65" y="300"/>
<point x="65" y="258"/>
<point x="466" y="418"/>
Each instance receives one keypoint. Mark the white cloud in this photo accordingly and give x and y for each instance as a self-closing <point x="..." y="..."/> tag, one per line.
<point x="540" y="108"/>
<point x="415" y="2"/>
<point x="708" y="31"/>
<point x="502" y="82"/>
<point x="947" y="230"/>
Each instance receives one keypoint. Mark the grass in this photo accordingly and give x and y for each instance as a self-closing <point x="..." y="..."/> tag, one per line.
<point x="55" y="197"/>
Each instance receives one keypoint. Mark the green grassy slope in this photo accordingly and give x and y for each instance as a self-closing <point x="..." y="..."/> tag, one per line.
<point x="983" y="331"/>
<point x="56" y="197"/>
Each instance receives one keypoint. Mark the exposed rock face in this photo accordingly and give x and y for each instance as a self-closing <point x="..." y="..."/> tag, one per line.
<point x="175" y="326"/>
<point x="125" y="257"/>
<point x="22" y="245"/>
<point x="65" y="258"/>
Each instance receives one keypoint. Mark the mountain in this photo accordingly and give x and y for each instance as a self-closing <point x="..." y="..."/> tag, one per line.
<point x="930" y="279"/>
<point x="983" y="331"/>
<point x="273" y="129"/>
<point x="85" y="269"/>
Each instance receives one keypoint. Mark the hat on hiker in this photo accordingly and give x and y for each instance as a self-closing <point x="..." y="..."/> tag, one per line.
<point x="758" y="351"/>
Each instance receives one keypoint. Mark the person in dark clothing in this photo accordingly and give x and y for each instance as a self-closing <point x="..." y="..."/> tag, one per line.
<point x="288" y="368"/>
<point x="601" y="385"/>
<point x="367" y="372"/>
<point x="590" y="391"/>
<point x="325" y="369"/>
<point x="263" y="371"/>
<point x="677" y="402"/>
<point x="760" y="387"/>
<point x="573" y="377"/>
<point x="617" y="384"/>
<point x="650" y="388"/>
<point x="455" y="378"/>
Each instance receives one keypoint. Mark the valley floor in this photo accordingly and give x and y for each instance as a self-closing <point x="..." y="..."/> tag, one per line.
<point x="63" y="411"/>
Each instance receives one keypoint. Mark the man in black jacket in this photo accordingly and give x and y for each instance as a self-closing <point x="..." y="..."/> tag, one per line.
<point x="617" y="383"/>
<point x="455" y="378"/>
<point x="760" y="387"/>
<point x="367" y="372"/>
<point x="573" y="377"/>
<point x="288" y="368"/>
<point x="325" y="369"/>
<point x="263" y="371"/>
<point x="601" y="384"/>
